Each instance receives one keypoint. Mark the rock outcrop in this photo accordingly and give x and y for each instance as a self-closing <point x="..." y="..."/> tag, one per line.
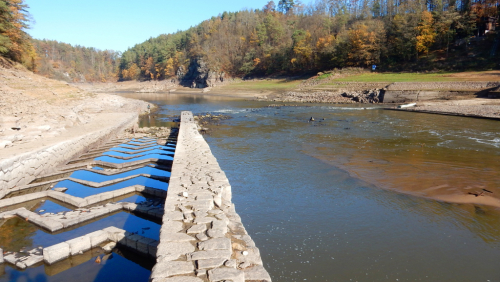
<point x="200" y="75"/>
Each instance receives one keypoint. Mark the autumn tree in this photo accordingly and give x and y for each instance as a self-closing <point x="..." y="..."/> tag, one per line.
<point x="15" y="43"/>
<point x="426" y="35"/>
<point x="366" y="42"/>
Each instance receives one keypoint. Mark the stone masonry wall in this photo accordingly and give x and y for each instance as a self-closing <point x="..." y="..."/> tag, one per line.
<point x="202" y="238"/>
<point x="24" y="168"/>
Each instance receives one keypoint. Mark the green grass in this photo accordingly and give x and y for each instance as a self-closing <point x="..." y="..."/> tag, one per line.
<point x="325" y="75"/>
<point x="397" y="77"/>
<point x="275" y="84"/>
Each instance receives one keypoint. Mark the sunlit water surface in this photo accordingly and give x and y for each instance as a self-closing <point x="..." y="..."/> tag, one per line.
<point x="319" y="198"/>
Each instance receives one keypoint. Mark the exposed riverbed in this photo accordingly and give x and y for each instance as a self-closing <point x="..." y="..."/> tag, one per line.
<point x="335" y="199"/>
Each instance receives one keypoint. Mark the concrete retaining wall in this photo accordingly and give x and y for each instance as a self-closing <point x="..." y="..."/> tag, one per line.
<point x="202" y="237"/>
<point x="24" y="168"/>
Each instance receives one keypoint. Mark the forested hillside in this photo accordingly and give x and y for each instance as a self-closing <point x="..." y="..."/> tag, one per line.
<point x="75" y="63"/>
<point x="15" y="43"/>
<point x="47" y="57"/>
<point x="292" y="37"/>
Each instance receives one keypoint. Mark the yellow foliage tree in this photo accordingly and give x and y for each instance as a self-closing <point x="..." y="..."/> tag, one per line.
<point x="324" y="42"/>
<point x="302" y="46"/>
<point x="366" y="41"/>
<point x="169" y="68"/>
<point x="131" y="73"/>
<point x="426" y="33"/>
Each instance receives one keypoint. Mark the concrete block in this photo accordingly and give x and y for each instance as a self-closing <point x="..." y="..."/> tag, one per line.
<point x="178" y="279"/>
<point x="165" y="269"/>
<point x="257" y="273"/>
<point x="226" y="254"/>
<point x="21" y="265"/>
<point x="252" y="257"/>
<point x="225" y="274"/>
<point x="32" y="260"/>
<point x="173" y="250"/>
<point x="176" y="237"/>
<point x="215" y="244"/>
<point x="153" y="248"/>
<point x="97" y="238"/>
<point x="131" y="240"/>
<point x="198" y="228"/>
<point x="11" y="259"/>
<point x="172" y="226"/>
<point x="46" y="223"/>
<point x="142" y="245"/>
<point x="56" y="253"/>
<point x="220" y="225"/>
<point x="203" y="220"/>
<point x="116" y="235"/>
<point x="79" y="244"/>
<point x="70" y="222"/>
<point x="210" y="263"/>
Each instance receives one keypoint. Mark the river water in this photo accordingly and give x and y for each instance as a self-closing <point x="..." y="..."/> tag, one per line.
<point x="352" y="195"/>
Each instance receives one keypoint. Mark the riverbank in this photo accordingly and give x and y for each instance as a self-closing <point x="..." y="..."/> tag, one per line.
<point x="479" y="108"/>
<point x="44" y="122"/>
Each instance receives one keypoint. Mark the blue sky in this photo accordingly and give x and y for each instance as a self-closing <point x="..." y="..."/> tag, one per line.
<point x="120" y="24"/>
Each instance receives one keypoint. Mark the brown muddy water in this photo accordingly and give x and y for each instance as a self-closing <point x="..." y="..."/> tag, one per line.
<point x="352" y="197"/>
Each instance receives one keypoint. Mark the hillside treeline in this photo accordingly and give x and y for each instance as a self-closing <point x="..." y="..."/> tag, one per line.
<point x="75" y="63"/>
<point x="15" y="43"/>
<point x="48" y="57"/>
<point x="290" y="37"/>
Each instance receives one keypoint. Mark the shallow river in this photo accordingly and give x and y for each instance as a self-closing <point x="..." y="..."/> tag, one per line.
<point x="351" y="197"/>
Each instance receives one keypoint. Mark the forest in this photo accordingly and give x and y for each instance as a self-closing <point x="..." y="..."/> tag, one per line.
<point x="48" y="57"/>
<point x="75" y="63"/>
<point x="287" y="37"/>
<point x="291" y="37"/>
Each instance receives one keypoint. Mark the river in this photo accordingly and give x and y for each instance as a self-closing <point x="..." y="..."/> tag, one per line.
<point x="359" y="194"/>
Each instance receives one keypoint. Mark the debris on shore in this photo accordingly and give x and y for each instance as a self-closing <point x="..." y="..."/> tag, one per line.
<point x="340" y="97"/>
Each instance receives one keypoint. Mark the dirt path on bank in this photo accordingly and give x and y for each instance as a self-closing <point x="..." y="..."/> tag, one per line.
<point x="36" y="111"/>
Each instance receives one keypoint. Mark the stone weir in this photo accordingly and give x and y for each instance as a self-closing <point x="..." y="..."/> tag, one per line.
<point x="202" y="237"/>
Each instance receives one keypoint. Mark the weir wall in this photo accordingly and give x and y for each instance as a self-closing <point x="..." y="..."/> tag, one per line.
<point x="202" y="237"/>
<point x="23" y="168"/>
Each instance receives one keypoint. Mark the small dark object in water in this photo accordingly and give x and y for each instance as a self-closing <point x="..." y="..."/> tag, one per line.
<point x="146" y="228"/>
<point x="347" y="128"/>
<point x="311" y="119"/>
<point x="15" y="128"/>
<point x="477" y="194"/>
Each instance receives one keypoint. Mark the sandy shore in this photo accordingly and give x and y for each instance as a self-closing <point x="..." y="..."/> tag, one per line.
<point x="486" y="108"/>
<point x="35" y="110"/>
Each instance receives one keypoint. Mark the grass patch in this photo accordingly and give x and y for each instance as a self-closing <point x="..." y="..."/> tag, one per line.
<point x="256" y="85"/>
<point x="399" y="77"/>
<point x="325" y="75"/>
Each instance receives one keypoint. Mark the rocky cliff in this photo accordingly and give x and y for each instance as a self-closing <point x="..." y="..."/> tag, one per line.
<point x="200" y="75"/>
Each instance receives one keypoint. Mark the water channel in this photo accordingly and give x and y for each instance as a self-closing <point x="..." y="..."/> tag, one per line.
<point x="351" y="196"/>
